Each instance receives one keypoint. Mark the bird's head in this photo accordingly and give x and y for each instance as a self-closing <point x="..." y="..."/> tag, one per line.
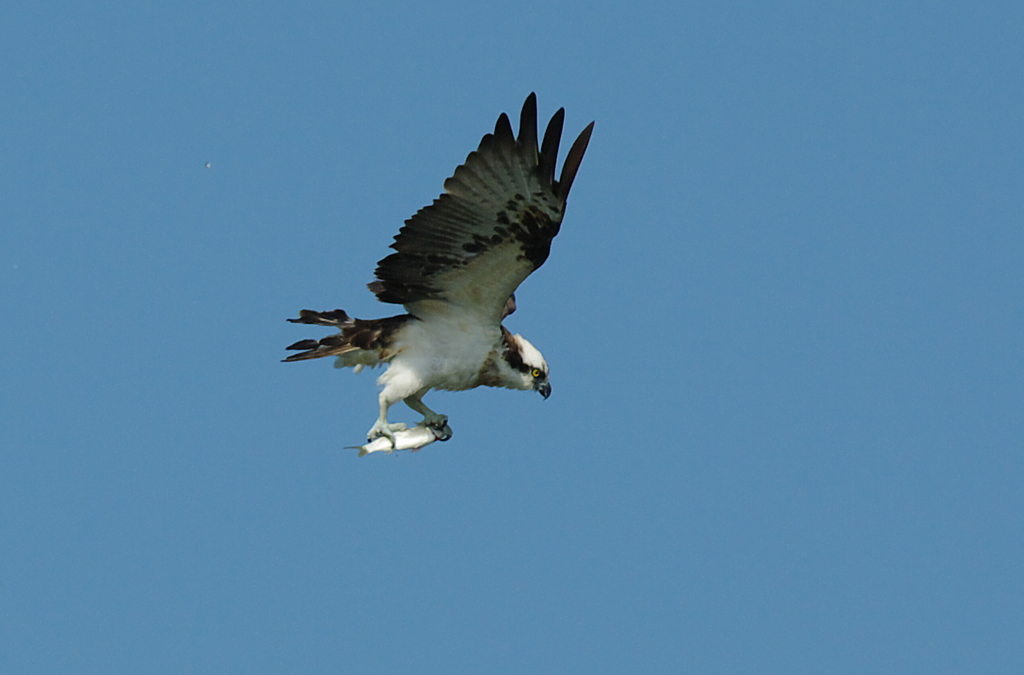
<point x="529" y="369"/>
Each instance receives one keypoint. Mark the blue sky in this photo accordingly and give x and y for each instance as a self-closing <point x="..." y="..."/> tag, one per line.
<point x="783" y="317"/>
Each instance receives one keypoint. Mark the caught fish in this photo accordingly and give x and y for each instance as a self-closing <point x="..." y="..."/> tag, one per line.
<point x="413" y="439"/>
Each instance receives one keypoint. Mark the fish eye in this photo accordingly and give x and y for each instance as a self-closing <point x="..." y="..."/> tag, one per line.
<point x="535" y="372"/>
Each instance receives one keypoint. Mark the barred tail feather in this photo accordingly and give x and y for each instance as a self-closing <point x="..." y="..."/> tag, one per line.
<point x="361" y="341"/>
<point x="337" y="318"/>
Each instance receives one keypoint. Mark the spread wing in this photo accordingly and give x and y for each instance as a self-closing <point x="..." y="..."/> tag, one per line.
<point x="491" y="228"/>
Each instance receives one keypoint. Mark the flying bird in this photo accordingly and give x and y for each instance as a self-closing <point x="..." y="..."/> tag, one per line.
<point x="456" y="266"/>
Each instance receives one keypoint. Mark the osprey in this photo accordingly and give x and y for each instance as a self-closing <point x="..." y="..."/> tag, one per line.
<point x="456" y="267"/>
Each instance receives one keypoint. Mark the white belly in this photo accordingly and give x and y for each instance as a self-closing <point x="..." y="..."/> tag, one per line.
<point x="439" y="355"/>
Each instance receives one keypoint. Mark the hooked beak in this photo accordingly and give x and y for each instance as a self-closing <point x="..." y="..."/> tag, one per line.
<point x="544" y="388"/>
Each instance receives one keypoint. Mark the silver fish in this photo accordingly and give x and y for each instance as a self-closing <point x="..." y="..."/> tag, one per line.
<point x="406" y="439"/>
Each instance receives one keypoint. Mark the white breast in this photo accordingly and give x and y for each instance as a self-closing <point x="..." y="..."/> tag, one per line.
<point x="440" y="353"/>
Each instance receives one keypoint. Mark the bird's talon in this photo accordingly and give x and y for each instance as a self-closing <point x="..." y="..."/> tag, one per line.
<point x="438" y="422"/>
<point x="445" y="432"/>
<point x="386" y="430"/>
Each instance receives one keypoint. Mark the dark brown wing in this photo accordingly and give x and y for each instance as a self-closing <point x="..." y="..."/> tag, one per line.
<point x="471" y="248"/>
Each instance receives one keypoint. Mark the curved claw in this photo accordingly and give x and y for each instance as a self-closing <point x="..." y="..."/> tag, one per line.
<point x="435" y="420"/>
<point x="383" y="429"/>
<point x="439" y="423"/>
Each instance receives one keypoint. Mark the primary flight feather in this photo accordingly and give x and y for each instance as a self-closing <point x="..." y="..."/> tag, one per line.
<point x="456" y="266"/>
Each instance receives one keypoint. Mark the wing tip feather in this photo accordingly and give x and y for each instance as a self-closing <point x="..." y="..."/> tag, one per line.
<point x="573" y="161"/>
<point x="528" y="124"/>
<point x="503" y="128"/>
<point x="549" y="146"/>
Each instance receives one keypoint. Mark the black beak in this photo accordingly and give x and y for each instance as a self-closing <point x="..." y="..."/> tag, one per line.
<point x="544" y="388"/>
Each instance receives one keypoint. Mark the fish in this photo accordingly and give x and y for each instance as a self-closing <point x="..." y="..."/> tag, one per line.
<point x="413" y="439"/>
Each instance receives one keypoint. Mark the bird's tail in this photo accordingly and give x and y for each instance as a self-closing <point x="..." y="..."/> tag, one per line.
<point x="338" y="318"/>
<point x="361" y="342"/>
<point x="332" y="345"/>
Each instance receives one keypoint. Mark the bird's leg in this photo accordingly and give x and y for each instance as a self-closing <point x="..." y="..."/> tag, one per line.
<point x="381" y="426"/>
<point x="430" y="418"/>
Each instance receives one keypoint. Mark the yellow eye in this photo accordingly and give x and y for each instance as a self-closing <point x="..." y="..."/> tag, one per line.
<point x="536" y="372"/>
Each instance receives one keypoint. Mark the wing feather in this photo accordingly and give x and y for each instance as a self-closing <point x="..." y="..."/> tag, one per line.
<point x="549" y="150"/>
<point x="472" y="247"/>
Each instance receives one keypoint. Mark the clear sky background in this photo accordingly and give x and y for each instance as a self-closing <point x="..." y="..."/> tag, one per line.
<point x="783" y="317"/>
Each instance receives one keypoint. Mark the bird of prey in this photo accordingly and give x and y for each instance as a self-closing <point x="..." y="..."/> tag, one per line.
<point x="456" y="267"/>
